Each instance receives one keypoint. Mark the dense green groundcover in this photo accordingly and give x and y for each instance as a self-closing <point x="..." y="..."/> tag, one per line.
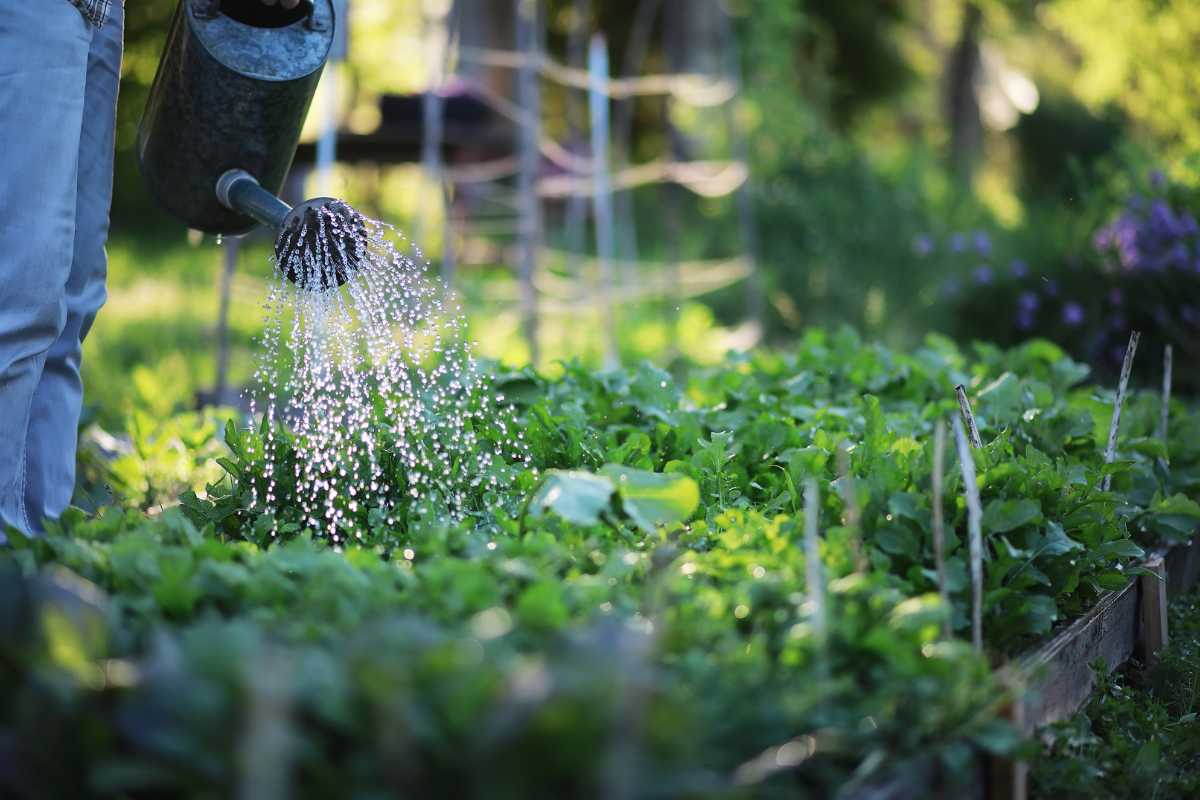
<point x="1139" y="736"/>
<point x="628" y="616"/>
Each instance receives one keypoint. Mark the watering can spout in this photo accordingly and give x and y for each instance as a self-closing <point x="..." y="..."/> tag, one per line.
<point x="322" y="226"/>
<point x="240" y="191"/>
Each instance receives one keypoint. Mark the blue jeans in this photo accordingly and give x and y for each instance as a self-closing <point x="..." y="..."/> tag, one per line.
<point x="58" y="94"/>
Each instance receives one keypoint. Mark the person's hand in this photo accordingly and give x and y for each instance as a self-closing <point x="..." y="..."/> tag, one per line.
<point x="284" y="3"/>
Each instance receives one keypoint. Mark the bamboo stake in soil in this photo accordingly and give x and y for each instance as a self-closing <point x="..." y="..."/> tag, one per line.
<point x="1153" y="605"/>
<point x="964" y="405"/>
<point x="974" y="532"/>
<point x="1166" y="401"/>
<point x="1110" y="452"/>
<point x="812" y="561"/>
<point x="939" y="525"/>
<point x="853" y="513"/>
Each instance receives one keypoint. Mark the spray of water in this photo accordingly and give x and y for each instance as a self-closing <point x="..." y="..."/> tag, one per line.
<point x="370" y="395"/>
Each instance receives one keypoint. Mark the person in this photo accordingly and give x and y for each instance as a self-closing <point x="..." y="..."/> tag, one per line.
<point x="60" y="63"/>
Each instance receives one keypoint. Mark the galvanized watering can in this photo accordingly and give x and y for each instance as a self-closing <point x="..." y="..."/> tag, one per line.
<point x="225" y="112"/>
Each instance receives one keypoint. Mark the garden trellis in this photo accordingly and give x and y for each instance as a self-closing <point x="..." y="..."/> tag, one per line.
<point x="610" y="278"/>
<point x="507" y="194"/>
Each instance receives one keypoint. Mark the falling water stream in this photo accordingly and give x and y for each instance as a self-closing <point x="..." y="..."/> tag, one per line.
<point x="367" y="383"/>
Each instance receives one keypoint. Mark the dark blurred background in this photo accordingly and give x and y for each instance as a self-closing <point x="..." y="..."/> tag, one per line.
<point x="993" y="169"/>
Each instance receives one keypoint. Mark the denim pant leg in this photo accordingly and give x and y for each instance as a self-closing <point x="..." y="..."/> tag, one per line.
<point x="43" y="71"/>
<point x="53" y="424"/>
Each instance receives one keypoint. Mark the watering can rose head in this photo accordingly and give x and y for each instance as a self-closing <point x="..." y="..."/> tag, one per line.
<point x="321" y="244"/>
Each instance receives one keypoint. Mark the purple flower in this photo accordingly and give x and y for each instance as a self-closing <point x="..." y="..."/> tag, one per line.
<point x="1050" y="287"/>
<point x="1179" y="255"/>
<point x="1027" y="306"/>
<point x="1150" y="235"/>
<point x="958" y="243"/>
<point x="1189" y="315"/>
<point x="1072" y="314"/>
<point x="1018" y="269"/>
<point x="1116" y="296"/>
<point x="983" y="243"/>
<point x="1158" y="180"/>
<point x="983" y="274"/>
<point x="922" y="245"/>
<point x="1188" y="222"/>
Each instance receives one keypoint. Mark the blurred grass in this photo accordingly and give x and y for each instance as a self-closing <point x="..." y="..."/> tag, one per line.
<point x="154" y="342"/>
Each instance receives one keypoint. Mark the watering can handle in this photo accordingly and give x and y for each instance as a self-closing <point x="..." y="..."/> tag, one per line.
<point x="211" y="9"/>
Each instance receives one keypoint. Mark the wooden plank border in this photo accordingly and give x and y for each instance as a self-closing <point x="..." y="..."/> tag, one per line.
<point x="1183" y="568"/>
<point x="1057" y="679"/>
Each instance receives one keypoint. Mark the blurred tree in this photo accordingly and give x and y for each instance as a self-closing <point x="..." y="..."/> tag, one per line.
<point x="961" y="100"/>
<point x="857" y="44"/>
<point x="1139" y="55"/>
<point x="1062" y="142"/>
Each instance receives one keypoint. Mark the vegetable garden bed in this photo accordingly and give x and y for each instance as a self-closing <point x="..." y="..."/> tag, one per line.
<point x="635" y="613"/>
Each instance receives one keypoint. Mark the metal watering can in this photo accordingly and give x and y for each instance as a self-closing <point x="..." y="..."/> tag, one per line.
<point x="225" y="112"/>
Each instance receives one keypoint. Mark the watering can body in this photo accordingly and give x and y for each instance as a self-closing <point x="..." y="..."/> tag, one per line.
<point x="232" y="91"/>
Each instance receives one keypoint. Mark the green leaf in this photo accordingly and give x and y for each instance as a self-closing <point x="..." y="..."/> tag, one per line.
<point x="897" y="540"/>
<point x="1111" y="580"/>
<point x="233" y="439"/>
<point x="651" y="498"/>
<point x="541" y="606"/>
<point x="575" y="496"/>
<point x="1002" y="516"/>
<point x="230" y="466"/>
<point x="1057" y="541"/>
<point x="1122" y="548"/>
<point x="1147" y="759"/>
<point x="1040" y="612"/>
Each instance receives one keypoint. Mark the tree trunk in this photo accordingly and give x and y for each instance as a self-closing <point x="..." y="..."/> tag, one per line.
<point x="961" y="102"/>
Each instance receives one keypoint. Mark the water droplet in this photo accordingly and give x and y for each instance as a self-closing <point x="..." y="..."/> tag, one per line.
<point x="369" y="390"/>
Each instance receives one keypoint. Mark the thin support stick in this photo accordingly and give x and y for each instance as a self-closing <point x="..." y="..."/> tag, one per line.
<point x="529" y="94"/>
<point x="601" y="190"/>
<point x="964" y="405"/>
<point x="974" y="532"/>
<point x="850" y="503"/>
<point x="812" y="562"/>
<point x="939" y="523"/>
<point x="1164" y="415"/>
<point x="1110" y="452"/>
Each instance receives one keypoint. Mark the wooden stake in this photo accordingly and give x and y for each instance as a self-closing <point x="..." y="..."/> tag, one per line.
<point x="939" y="525"/>
<point x="528" y="26"/>
<point x="1165" y="414"/>
<point x="853" y="513"/>
<point x="1154" y="607"/>
<point x="964" y="405"/>
<point x="812" y="561"/>
<point x="1110" y="453"/>
<point x="974" y="532"/>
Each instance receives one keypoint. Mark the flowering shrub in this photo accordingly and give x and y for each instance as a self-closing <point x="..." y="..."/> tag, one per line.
<point x="1150" y="235"/>
<point x="1139" y="271"/>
